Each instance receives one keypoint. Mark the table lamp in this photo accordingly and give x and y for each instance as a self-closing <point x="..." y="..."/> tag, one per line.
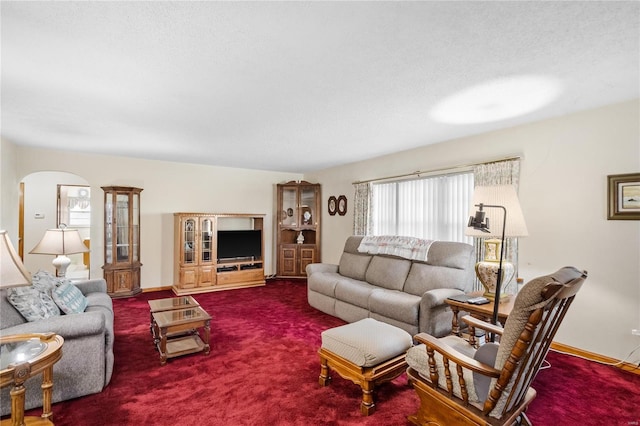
<point x="504" y="219"/>
<point x="60" y="242"/>
<point x="12" y="270"/>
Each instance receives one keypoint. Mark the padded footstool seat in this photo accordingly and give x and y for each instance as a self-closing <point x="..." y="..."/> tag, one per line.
<point x="367" y="352"/>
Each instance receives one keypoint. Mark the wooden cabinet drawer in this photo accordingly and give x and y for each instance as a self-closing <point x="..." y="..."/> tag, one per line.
<point x="240" y="276"/>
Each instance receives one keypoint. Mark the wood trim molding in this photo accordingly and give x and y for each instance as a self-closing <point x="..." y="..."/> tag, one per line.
<point x="152" y="289"/>
<point x="625" y="366"/>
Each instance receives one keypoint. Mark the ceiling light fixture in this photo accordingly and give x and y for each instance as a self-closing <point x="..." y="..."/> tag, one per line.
<point x="498" y="99"/>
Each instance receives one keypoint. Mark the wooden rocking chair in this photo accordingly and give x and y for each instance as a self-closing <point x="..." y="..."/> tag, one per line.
<point x="459" y="385"/>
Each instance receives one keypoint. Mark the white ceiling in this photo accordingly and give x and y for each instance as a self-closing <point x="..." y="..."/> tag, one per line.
<point x="293" y="86"/>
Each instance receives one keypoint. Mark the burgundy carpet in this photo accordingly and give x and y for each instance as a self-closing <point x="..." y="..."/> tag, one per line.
<point x="263" y="370"/>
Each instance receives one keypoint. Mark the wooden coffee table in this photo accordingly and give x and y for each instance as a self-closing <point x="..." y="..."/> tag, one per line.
<point x="168" y="304"/>
<point x="178" y="332"/>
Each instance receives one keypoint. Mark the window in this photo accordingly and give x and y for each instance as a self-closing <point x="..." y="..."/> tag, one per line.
<point x="433" y="207"/>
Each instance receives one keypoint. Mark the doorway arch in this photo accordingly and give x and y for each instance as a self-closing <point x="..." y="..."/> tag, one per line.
<point x="40" y="212"/>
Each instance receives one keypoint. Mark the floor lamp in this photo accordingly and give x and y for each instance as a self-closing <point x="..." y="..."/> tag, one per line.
<point x="504" y="219"/>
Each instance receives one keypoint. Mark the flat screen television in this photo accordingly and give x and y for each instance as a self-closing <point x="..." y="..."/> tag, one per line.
<point x="240" y="244"/>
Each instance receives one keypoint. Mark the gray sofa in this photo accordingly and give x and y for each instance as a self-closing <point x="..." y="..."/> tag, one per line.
<point x="87" y="353"/>
<point x="408" y="294"/>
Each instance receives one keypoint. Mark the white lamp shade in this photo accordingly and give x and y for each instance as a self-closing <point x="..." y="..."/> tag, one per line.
<point x="12" y="271"/>
<point x="498" y="195"/>
<point x="60" y="242"/>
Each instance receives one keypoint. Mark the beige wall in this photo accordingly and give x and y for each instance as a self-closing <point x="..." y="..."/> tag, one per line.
<point x="9" y="194"/>
<point x="563" y="196"/>
<point x="563" y="192"/>
<point x="40" y="214"/>
<point x="168" y="188"/>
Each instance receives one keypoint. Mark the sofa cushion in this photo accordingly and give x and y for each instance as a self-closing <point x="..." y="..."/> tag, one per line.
<point x="424" y="277"/>
<point x="354" y="292"/>
<point x="394" y="304"/>
<point x="352" y="244"/>
<point x="32" y="304"/>
<point x="354" y="265"/>
<point x="68" y="298"/>
<point x="451" y="255"/>
<point x="324" y="282"/>
<point x="388" y="272"/>
<point x="418" y="359"/>
<point x="100" y="299"/>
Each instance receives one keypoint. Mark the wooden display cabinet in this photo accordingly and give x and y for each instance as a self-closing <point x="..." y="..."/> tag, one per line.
<point x="197" y="267"/>
<point x="194" y="237"/>
<point x="298" y="227"/>
<point x="122" y="240"/>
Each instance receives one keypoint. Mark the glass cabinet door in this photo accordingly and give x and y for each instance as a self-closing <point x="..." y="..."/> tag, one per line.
<point x="289" y="213"/>
<point x="206" y="240"/>
<point x="108" y="227"/>
<point x="122" y="228"/>
<point x="189" y="233"/>
<point x="135" y="228"/>
<point x="308" y="208"/>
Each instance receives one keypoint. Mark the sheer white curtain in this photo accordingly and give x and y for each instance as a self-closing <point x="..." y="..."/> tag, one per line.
<point x="434" y="207"/>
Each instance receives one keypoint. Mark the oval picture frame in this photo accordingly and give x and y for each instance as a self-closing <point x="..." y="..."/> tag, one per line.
<point x="342" y="205"/>
<point x="332" y="205"/>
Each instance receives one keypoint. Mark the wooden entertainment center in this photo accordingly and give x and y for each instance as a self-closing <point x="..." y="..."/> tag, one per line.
<point x="198" y="268"/>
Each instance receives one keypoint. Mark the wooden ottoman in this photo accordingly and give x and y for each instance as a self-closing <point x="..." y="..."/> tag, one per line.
<point x="367" y="352"/>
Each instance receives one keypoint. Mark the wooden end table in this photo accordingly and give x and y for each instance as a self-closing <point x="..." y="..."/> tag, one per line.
<point x="21" y="357"/>
<point x="184" y="325"/>
<point x="482" y="312"/>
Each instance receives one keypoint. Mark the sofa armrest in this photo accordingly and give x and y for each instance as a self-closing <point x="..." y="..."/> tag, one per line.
<point x="435" y="314"/>
<point x="67" y="326"/>
<point x="438" y="296"/>
<point x="321" y="267"/>
<point x="98" y="285"/>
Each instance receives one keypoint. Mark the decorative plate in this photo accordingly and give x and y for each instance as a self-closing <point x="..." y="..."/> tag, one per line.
<point x="332" y="205"/>
<point x="342" y="205"/>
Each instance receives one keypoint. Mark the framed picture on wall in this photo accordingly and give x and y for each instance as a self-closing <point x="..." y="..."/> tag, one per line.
<point x="624" y="197"/>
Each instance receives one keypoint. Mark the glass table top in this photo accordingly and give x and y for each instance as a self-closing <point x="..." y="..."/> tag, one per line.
<point x="17" y="352"/>
<point x="172" y="303"/>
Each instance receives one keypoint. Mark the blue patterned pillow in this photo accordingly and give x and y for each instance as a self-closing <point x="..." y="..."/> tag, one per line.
<point x="44" y="281"/>
<point x="32" y="304"/>
<point x="69" y="298"/>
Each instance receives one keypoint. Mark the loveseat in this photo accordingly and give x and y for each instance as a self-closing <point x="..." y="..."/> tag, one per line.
<point x="87" y="354"/>
<point x="394" y="285"/>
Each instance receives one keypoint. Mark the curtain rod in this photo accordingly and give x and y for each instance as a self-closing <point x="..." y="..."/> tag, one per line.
<point x="420" y="172"/>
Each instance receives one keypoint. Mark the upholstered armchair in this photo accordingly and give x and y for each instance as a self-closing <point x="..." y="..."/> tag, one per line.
<point x="460" y="385"/>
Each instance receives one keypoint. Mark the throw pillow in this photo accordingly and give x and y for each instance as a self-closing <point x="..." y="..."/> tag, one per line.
<point x="44" y="281"/>
<point x="32" y="304"/>
<point x="69" y="298"/>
